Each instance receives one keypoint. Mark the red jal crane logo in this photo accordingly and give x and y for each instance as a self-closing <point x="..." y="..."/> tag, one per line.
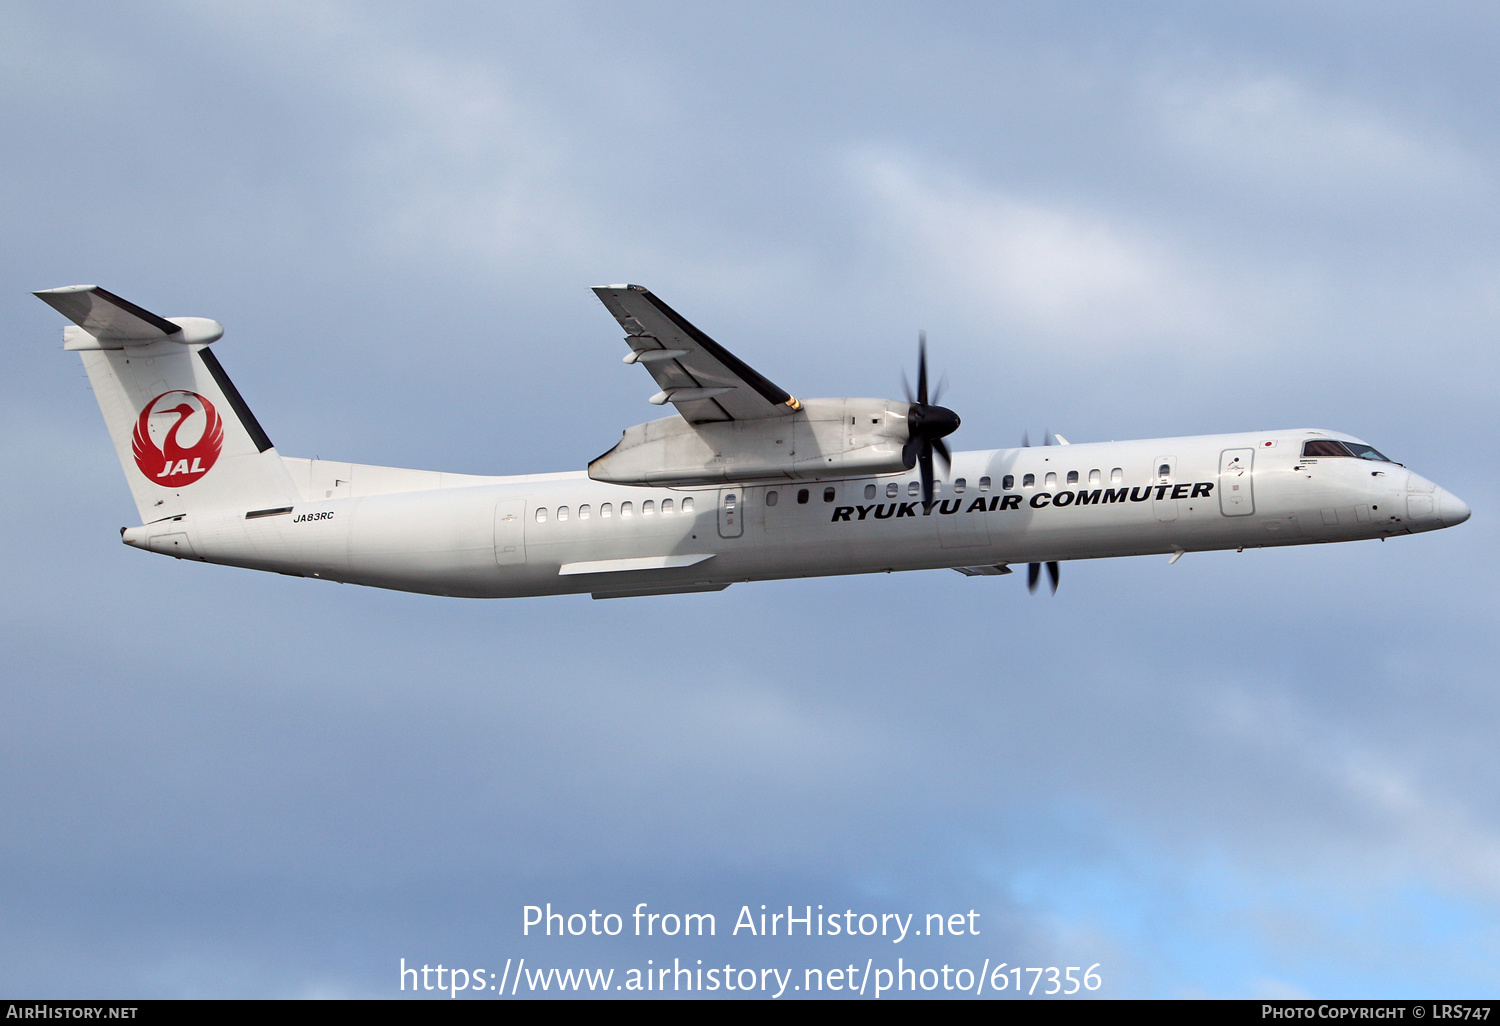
<point x="173" y="464"/>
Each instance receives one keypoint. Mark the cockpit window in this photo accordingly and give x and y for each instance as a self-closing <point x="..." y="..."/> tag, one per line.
<point x="1366" y="452"/>
<point x="1322" y="447"/>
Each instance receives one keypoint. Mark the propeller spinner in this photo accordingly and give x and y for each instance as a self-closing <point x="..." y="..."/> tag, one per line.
<point x="927" y="424"/>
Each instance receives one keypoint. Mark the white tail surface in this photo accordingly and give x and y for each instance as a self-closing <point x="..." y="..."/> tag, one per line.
<point x="186" y="439"/>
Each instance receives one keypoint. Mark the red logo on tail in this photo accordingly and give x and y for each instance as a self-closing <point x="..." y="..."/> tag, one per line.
<point x="172" y="464"/>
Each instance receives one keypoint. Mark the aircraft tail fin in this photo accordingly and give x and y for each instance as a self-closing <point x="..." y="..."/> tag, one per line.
<point x="184" y="435"/>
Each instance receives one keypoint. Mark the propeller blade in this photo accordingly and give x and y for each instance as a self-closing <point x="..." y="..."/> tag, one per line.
<point x="1052" y="574"/>
<point x="941" y="448"/>
<point x="927" y="424"/>
<point x="1047" y="438"/>
<point x="906" y="387"/>
<point x="1026" y="439"/>
<point x="922" y="368"/>
<point x="942" y="386"/>
<point x="1033" y="574"/>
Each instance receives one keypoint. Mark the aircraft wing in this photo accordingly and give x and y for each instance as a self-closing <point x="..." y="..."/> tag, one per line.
<point x="705" y="381"/>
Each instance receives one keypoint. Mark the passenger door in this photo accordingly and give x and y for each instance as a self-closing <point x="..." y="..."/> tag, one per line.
<point x="1236" y="489"/>
<point x="1163" y="472"/>
<point x="510" y="531"/>
<point x="731" y="512"/>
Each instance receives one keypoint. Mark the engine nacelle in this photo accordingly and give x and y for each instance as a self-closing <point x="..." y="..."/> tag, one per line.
<point x="826" y="438"/>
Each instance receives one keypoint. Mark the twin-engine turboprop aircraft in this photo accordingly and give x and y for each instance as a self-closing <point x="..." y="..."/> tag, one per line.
<point x="744" y="483"/>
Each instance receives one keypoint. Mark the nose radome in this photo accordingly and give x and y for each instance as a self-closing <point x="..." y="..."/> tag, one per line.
<point x="1452" y="510"/>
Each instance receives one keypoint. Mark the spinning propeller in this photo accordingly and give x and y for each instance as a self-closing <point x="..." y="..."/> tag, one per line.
<point x="1034" y="573"/>
<point x="927" y="424"/>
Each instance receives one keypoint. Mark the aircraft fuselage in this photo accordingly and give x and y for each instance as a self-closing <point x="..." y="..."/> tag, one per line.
<point x="566" y="533"/>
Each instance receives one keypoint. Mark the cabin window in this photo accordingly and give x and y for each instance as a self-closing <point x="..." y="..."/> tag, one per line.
<point x="892" y="490"/>
<point x="648" y="508"/>
<point x="984" y="484"/>
<point x="666" y="506"/>
<point x="1116" y="476"/>
<point x="1008" y="482"/>
<point x="687" y="504"/>
<point x="959" y="484"/>
<point x="1072" y="477"/>
<point x="1095" y="477"/>
<point x="541" y="514"/>
<point x="869" y="491"/>
<point x="773" y="497"/>
<point x="828" y="494"/>
<point x="562" y="513"/>
<point x="606" y="511"/>
<point x="1052" y="479"/>
<point x="915" y="488"/>
<point x="626" y="509"/>
<point x="583" y="512"/>
<point x="802" y="494"/>
<point x="1028" y="481"/>
<point x="1165" y="470"/>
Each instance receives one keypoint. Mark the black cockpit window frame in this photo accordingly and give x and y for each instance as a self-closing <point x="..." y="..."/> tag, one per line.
<point x="1330" y="448"/>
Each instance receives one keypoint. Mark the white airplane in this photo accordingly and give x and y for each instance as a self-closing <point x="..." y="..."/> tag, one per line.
<point x="744" y="483"/>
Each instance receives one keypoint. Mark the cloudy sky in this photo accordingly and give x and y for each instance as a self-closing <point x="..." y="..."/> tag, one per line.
<point x="1259" y="774"/>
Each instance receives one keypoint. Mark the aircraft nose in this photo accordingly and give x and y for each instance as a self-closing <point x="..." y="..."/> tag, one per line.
<point x="1452" y="510"/>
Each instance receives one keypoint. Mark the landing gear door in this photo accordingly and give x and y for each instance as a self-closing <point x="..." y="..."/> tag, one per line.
<point x="1236" y="494"/>
<point x="510" y="531"/>
<point x="731" y="512"/>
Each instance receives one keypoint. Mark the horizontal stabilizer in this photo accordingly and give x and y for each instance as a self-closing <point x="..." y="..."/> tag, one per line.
<point x="116" y="322"/>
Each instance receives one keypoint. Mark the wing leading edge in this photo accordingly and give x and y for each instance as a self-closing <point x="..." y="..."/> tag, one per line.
<point x="705" y="381"/>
